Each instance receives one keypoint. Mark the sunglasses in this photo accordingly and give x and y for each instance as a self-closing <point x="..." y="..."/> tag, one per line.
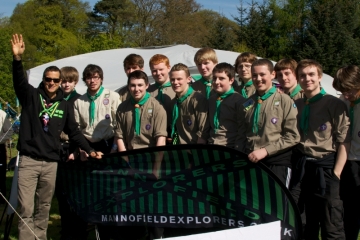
<point x="55" y="80"/>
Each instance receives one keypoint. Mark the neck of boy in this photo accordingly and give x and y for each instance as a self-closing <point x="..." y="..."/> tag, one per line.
<point x="262" y="92"/>
<point x="245" y="80"/>
<point x="310" y="94"/>
<point x="289" y="90"/>
<point x="179" y="95"/>
<point x="51" y="95"/>
<point x="93" y="92"/>
<point x="208" y="78"/>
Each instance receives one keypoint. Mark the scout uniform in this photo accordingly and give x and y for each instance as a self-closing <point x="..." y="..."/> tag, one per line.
<point x="204" y="87"/>
<point x="350" y="176"/>
<point x="231" y="130"/>
<point x="275" y="130"/>
<point x="165" y="98"/>
<point x="101" y="128"/>
<point x="124" y="94"/>
<point x="192" y="122"/>
<point x="246" y="89"/>
<point x="296" y="93"/>
<point x="152" y="124"/>
<point x="321" y="133"/>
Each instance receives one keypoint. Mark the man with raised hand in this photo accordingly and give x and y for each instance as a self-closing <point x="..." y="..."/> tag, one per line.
<point x="226" y="126"/>
<point x="162" y="90"/>
<point x="190" y="109"/>
<point x="45" y="114"/>
<point x="322" y="152"/>
<point x="285" y="74"/>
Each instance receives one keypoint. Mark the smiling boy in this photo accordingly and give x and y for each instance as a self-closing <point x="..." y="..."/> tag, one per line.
<point x="226" y="126"/>
<point x="270" y="120"/>
<point x="189" y="114"/>
<point x="285" y="74"/>
<point x="205" y="60"/>
<point x="325" y="139"/>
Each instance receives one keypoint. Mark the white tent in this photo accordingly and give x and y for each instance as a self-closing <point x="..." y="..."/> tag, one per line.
<point x="111" y="61"/>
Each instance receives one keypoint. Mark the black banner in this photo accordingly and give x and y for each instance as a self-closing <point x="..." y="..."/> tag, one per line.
<point x="187" y="186"/>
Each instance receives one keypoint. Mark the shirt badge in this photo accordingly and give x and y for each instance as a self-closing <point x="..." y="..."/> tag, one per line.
<point x="323" y="127"/>
<point x="107" y="95"/>
<point x="148" y="126"/>
<point x="189" y="122"/>
<point x="294" y="105"/>
<point x="107" y="116"/>
<point x="150" y="110"/>
<point x="106" y="101"/>
<point x="248" y="104"/>
<point x="276" y="103"/>
<point x="274" y="120"/>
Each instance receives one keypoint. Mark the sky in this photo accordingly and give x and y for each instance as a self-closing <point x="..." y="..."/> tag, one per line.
<point x="224" y="7"/>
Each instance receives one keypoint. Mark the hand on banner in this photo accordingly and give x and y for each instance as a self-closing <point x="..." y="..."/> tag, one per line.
<point x="257" y="155"/>
<point x="97" y="155"/>
<point x="83" y="155"/>
<point x="71" y="157"/>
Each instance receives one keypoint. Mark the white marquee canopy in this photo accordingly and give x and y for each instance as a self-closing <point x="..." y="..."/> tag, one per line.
<point x="111" y="61"/>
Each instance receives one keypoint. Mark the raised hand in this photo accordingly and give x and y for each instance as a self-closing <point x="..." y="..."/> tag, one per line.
<point x="18" y="45"/>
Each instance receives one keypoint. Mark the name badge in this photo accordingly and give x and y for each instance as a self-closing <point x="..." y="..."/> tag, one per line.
<point x="248" y="104"/>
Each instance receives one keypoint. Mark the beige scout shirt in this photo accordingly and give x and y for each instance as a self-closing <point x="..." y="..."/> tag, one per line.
<point x="231" y="130"/>
<point x="124" y="94"/>
<point x="105" y="115"/>
<point x="299" y="95"/>
<point x="277" y="124"/>
<point x="328" y="126"/>
<point x="250" y="90"/>
<point x="193" y="122"/>
<point x="200" y="87"/>
<point x="168" y="94"/>
<point x="152" y="124"/>
<point x="5" y="127"/>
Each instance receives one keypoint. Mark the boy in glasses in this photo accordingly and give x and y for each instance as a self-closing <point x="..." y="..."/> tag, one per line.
<point x="95" y="111"/>
<point x="132" y="62"/>
<point x="347" y="81"/>
<point x="44" y="115"/>
<point x="243" y="69"/>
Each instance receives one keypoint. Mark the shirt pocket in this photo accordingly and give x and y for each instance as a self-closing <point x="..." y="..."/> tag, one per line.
<point x="188" y="122"/>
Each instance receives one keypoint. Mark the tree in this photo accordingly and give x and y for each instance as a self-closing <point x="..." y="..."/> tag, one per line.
<point x="223" y="34"/>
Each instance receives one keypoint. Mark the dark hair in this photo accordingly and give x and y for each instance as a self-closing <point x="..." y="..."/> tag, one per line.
<point x="225" y="67"/>
<point x="286" y="63"/>
<point x="52" y="69"/>
<point x="138" y="74"/>
<point x="90" y="71"/>
<point x="133" y="59"/>
<point x="347" y="78"/>
<point x="263" y="62"/>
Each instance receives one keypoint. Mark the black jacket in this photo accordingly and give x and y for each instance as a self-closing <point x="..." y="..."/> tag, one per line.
<point x="33" y="140"/>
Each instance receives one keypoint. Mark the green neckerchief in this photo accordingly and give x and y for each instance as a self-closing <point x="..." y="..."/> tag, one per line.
<point x="49" y="110"/>
<point x="352" y="105"/>
<point x="92" y="104"/>
<point x="175" y="113"/>
<point x="208" y="86"/>
<point x="243" y="90"/>
<point x="160" y="96"/>
<point x="296" y="90"/>
<point x="72" y="94"/>
<point x="258" y="108"/>
<point x="304" y="123"/>
<point x="218" y="102"/>
<point x="137" y="106"/>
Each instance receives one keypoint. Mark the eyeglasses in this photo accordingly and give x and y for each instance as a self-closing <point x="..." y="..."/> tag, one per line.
<point x="244" y="66"/>
<point x="95" y="78"/>
<point x="55" y="80"/>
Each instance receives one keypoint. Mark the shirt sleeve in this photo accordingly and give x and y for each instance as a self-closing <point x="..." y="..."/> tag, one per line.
<point x="341" y="123"/>
<point x="160" y="123"/>
<point x="240" y="142"/>
<point x="201" y="114"/>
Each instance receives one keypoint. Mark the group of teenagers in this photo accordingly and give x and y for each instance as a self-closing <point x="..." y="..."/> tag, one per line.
<point x="308" y="138"/>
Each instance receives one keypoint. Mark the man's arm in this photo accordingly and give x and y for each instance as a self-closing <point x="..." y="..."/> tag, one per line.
<point x="341" y="158"/>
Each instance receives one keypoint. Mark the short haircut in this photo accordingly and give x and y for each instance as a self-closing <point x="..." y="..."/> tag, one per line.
<point x="286" y="63"/>
<point x="245" y="57"/>
<point x="159" y="58"/>
<point x="347" y="78"/>
<point x="70" y="74"/>
<point x="134" y="60"/>
<point x="181" y="67"/>
<point x="90" y="70"/>
<point x="307" y="63"/>
<point x="263" y="62"/>
<point x="204" y="54"/>
<point x="227" y="68"/>
<point x="138" y="74"/>
<point x="52" y="69"/>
